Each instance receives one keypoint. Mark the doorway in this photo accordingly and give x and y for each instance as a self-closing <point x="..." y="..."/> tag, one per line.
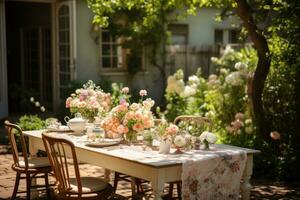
<point x="29" y="54"/>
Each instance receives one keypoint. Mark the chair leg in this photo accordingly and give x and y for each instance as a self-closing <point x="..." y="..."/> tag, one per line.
<point x="28" y="186"/>
<point x="47" y="186"/>
<point x="179" y="190"/>
<point x="13" y="196"/>
<point x="171" y="187"/>
<point x="116" y="180"/>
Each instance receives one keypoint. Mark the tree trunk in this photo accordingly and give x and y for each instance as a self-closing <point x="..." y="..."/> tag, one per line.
<point x="262" y="69"/>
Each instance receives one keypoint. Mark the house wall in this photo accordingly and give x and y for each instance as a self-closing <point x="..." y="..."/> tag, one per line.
<point x="203" y="25"/>
<point x="201" y="32"/>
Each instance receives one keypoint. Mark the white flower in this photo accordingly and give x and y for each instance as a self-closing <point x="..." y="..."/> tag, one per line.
<point x="31" y="99"/>
<point x="175" y="85"/>
<point x="179" y="74"/>
<point x="194" y="80"/>
<point x="134" y="106"/>
<point x="214" y="59"/>
<point x="148" y="103"/>
<point x="212" y="77"/>
<point x="228" y="50"/>
<point x="188" y="91"/>
<point x="240" y="66"/>
<point x="223" y="71"/>
<point x="249" y="129"/>
<point x="179" y="141"/>
<point x="234" y="79"/>
<point x="248" y="121"/>
<point x="42" y="108"/>
<point x="209" y="137"/>
<point x="37" y="104"/>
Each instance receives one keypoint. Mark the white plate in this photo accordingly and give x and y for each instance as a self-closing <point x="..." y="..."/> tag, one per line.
<point x="103" y="143"/>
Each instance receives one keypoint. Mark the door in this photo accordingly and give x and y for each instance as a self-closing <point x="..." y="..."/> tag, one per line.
<point x="3" y="68"/>
<point x="65" y="46"/>
<point x="36" y="61"/>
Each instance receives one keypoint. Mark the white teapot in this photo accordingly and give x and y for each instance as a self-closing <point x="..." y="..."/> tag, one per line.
<point x="76" y="124"/>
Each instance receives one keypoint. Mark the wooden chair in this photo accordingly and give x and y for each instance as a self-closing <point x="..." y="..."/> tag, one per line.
<point x="199" y="121"/>
<point x="38" y="167"/>
<point x="72" y="187"/>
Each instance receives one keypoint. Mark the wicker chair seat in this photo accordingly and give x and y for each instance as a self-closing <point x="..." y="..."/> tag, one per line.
<point x="89" y="184"/>
<point x="37" y="162"/>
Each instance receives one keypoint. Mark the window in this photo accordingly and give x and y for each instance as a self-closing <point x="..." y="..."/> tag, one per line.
<point x="218" y="36"/>
<point x="233" y="36"/>
<point x="179" y="34"/>
<point x="64" y="48"/>
<point x="113" y="56"/>
<point x="225" y="36"/>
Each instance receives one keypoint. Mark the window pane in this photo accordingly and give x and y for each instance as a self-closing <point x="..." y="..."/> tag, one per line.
<point x="218" y="36"/>
<point x="179" y="39"/>
<point x="105" y="36"/>
<point x="233" y="36"/>
<point x="106" y="62"/>
<point x="115" y="62"/>
<point x="105" y="49"/>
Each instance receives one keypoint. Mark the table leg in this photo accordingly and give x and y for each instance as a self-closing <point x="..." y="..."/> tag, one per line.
<point x="133" y="183"/>
<point x="32" y="148"/>
<point x="107" y="175"/>
<point x="158" y="186"/>
<point x="245" y="185"/>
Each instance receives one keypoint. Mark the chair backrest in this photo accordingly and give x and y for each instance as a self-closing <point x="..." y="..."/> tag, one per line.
<point x="198" y="121"/>
<point x="15" y="132"/>
<point x="56" y="149"/>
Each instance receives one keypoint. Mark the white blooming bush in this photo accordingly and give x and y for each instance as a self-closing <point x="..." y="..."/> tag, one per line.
<point x="222" y="97"/>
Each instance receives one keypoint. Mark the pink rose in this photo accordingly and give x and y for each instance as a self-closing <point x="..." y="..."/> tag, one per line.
<point x="275" y="135"/>
<point x="172" y="129"/>
<point x="137" y="127"/>
<point x="68" y="102"/>
<point x="120" y="129"/>
<point x="143" y="93"/>
<point x="125" y="90"/>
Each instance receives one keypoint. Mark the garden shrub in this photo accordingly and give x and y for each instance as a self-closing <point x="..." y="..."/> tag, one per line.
<point x="31" y="122"/>
<point x="224" y="98"/>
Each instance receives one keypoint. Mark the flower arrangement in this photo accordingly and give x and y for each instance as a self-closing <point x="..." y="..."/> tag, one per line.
<point x="166" y="131"/>
<point x="90" y="101"/>
<point x="208" y="138"/>
<point x="128" y="119"/>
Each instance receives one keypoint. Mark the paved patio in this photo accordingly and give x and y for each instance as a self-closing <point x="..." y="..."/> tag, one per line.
<point x="262" y="189"/>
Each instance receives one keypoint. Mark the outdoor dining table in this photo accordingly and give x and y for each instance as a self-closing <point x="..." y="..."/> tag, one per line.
<point x="137" y="162"/>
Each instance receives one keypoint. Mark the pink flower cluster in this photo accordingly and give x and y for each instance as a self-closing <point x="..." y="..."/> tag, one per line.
<point x="240" y="122"/>
<point x="89" y="101"/>
<point x="171" y="130"/>
<point x="127" y="117"/>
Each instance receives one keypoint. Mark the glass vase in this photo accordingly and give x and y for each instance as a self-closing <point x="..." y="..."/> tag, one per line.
<point x="131" y="137"/>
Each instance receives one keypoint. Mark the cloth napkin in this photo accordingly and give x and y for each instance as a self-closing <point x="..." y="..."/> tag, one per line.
<point x="214" y="175"/>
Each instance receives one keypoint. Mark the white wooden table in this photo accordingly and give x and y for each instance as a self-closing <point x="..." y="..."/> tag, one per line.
<point x="156" y="169"/>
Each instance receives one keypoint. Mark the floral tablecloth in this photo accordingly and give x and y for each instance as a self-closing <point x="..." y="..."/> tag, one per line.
<point x="214" y="175"/>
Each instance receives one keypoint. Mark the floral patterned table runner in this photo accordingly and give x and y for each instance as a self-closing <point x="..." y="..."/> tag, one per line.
<point x="214" y="175"/>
